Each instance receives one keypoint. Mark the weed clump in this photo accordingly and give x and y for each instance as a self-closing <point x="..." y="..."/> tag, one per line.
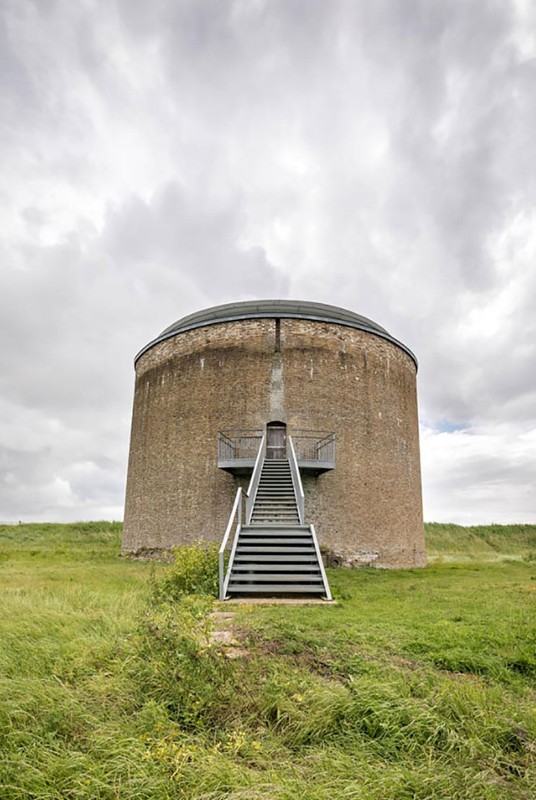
<point x="193" y="571"/>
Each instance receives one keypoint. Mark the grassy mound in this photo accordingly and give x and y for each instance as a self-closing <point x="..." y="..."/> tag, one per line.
<point x="418" y="684"/>
<point x="485" y="542"/>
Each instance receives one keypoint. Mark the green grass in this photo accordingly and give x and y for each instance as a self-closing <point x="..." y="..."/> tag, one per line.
<point x="417" y="685"/>
<point x="485" y="542"/>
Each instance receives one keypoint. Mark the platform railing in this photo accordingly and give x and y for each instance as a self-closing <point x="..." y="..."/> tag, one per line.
<point x="314" y="446"/>
<point x="238" y="445"/>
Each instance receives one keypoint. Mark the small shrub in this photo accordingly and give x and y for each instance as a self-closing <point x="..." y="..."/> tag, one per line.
<point x="194" y="571"/>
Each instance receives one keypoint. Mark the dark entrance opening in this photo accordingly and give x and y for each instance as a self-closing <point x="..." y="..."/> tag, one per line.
<point x="276" y="440"/>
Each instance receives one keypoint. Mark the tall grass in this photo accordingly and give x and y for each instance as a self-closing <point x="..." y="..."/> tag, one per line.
<point x="482" y="541"/>
<point x="418" y="684"/>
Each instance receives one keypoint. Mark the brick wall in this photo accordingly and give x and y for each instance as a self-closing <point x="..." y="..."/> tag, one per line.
<point x="325" y="377"/>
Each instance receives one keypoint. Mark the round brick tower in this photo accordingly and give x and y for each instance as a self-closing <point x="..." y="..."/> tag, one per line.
<point x="217" y="383"/>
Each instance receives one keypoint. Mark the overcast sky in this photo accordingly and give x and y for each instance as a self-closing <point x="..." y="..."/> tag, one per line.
<point x="161" y="157"/>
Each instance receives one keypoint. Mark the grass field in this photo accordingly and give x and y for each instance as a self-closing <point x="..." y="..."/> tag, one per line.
<point x="417" y="685"/>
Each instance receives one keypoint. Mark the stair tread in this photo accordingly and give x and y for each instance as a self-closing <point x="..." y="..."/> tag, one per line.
<point x="260" y="549"/>
<point x="265" y="535"/>
<point x="288" y="497"/>
<point x="295" y="588"/>
<point x="268" y="509"/>
<point x="276" y="506"/>
<point x="275" y="491"/>
<point x="292" y="558"/>
<point x="276" y="531"/>
<point x="255" y="566"/>
<point x="275" y="577"/>
<point x="275" y="503"/>
<point x="256" y="528"/>
<point x="279" y="540"/>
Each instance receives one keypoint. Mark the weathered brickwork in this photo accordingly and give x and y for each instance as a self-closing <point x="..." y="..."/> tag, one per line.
<point x="323" y="377"/>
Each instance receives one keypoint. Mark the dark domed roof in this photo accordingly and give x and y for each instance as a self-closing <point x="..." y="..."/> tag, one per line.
<point x="274" y="309"/>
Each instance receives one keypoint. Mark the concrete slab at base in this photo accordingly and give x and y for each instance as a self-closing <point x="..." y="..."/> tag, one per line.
<point x="279" y="601"/>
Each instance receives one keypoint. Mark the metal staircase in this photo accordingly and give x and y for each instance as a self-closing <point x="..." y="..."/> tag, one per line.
<point x="275" y="502"/>
<point x="275" y="554"/>
<point x="275" y="560"/>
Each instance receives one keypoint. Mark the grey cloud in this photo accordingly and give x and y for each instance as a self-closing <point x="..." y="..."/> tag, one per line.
<point x="479" y="478"/>
<point x="195" y="237"/>
<point x="17" y="87"/>
<point x="162" y="157"/>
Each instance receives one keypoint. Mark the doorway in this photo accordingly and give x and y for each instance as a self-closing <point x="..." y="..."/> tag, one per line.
<point x="276" y="440"/>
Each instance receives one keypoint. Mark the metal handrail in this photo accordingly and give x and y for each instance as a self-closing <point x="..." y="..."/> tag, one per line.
<point x="237" y="509"/>
<point x="326" y="444"/>
<point x="240" y="446"/>
<point x="236" y="445"/>
<point x="312" y="432"/>
<point x="254" y="482"/>
<point x="241" y="431"/>
<point x="315" y="446"/>
<point x="296" y="481"/>
<point x="320" y="563"/>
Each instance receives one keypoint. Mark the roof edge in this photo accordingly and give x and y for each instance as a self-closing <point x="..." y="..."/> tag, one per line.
<point x="172" y="331"/>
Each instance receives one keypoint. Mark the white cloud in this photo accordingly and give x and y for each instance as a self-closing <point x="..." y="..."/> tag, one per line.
<point x="163" y="157"/>
<point x="479" y="476"/>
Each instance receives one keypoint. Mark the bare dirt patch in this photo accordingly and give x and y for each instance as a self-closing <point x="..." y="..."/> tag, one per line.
<point x="225" y="636"/>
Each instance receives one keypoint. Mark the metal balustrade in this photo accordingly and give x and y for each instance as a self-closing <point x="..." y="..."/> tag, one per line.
<point x="238" y="448"/>
<point x="314" y="448"/>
